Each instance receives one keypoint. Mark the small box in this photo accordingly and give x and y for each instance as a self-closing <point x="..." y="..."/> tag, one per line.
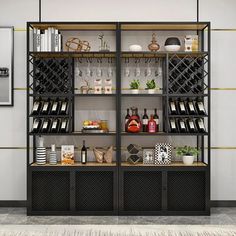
<point x="67" y="155"/>
<point x="191" y="43"/>
<point x="108" y="89"/>
<point x="98" y="89"/>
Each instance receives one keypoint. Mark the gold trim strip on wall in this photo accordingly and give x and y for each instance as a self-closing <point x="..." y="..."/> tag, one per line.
<point x="233" y="30"/>
<point x="20" y="89"/>
<point x="223" y="88"/>
<point x="19" y="29"/>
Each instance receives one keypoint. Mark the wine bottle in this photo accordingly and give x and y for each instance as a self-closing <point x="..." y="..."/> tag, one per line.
<point x="156" y="119"/>
<point x="191" y="126"/>
<point x="127" y="119"/>
<point x="55" y="126"/>
<point x="182" y="108"/>
<point x="45" y="126"/>
<point x="200" y="125"/>
<point x="54" y="107"/>
<point x="145" y="121"/>
<point x="173" y="127"/>
<point x="182" y="126"/>
<point x="84" y="154"/>
<point x="190" y="107"/>
<point x="172" y="107"/>
<point x="36" y="107"/>
<point x="64" y="107"/>
<point x="46" y="107"/>
<point x="36" y="125"/>
<point x="200" y="108"/>
<point x="152" y="128"/>
<point x="64" y="126"/>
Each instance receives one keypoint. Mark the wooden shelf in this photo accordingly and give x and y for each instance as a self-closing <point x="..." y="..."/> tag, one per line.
<point x="78" y="164"/>
<point x="173" y="164"/>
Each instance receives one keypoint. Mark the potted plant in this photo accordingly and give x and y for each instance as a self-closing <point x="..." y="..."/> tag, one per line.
<point x="188" y="153"/>
<point x="134" y="86"/>
<point x="151" y="86"/>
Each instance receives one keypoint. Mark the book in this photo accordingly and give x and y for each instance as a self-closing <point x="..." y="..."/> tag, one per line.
<point x="46" y="40"/>
<point x="38" y="41"/>
<point x="67" y="155"/>
<point x="42" y="42"/>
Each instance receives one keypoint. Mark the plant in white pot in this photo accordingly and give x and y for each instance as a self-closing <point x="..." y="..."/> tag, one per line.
<point x="134" y="86"/>
<point x="188" y="153"/>
<point x="151" y="86"/>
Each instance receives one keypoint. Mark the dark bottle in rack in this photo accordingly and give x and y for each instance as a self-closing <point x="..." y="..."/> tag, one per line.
<point x="37" y="105"/>
<point x="145" y="121"/>
<point x="172" y="107"/>
<point x="45" y="126"/>
<point x="36" y="125"/>
<point x="200" y="125"/>
<point x="182" y="126"/>
<point x="84" y="153"/>
<point x="64" y="107"/>
<point x="127" y="119"/>
<point x="181" y="107"/>
<point x="190" y="107"/>
<point x="55" y="126"/>
<point x="191" y="126"/>
<point x="55" y="107"/>
<point x="64" y="126"/>
<point x="45" y="107"/>
<point x="200" y="108"/>
<point x="173" y="126"/>
<point x="156" y="119"/>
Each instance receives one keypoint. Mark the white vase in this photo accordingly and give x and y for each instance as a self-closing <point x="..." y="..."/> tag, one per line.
<point x="188" y="160"/>
<point x="134" y="91"/>
<point x="151" y="91"/>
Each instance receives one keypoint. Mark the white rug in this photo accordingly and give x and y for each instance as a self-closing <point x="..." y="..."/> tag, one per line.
<point x="117" y="230"/>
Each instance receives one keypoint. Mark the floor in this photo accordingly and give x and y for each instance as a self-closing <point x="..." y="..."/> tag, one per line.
<point x="219" y="216"/>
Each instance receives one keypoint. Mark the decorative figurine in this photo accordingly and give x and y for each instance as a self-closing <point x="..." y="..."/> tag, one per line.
<point x="84" y="89"/>
<point x="77" y="45"/>
<point x="104" y="45"/>
<point x="153" y="46"/>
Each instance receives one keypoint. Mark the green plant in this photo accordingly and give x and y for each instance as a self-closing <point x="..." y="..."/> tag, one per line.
<point x="151" y="84"/>
<point x="187" y="151"/>
<point x="134" y="84"/>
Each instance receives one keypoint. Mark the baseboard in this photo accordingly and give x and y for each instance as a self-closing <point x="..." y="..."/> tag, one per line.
<point x="223" y="203"/>
<point x="13" y="203"/>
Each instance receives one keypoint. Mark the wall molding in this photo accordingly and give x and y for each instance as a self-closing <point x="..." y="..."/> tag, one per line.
<point x="219" y="203"/>
<point x="22" y="203"/>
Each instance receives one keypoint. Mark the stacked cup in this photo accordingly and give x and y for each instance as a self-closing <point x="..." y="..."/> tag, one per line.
<point x="41" y="153"/>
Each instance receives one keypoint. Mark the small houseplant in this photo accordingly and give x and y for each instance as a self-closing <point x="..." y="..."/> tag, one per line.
<point x="134" y="86"/>
<point x="188" y="153"/>
<point x="151" y="86"/>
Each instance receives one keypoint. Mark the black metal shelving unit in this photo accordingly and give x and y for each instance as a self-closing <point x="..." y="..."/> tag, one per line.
<point x="120" y="188"/>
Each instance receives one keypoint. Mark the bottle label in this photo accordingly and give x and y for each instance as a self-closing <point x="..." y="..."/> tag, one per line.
<point x="172" y="124"/>
<point x="172" y="105"/>
<point x="36" y="106"/>
<point x="45" y="106"/>
<point x="83" y="157"/>
<point x="152" y="127"/>
<point x="63" y="126"/>
<point x="182" y="106"/>
<point x="200" y="105"/>
<point x="54" y="125"/>
<point x="54" y="107"/>
<point x="145" y="121"/>
<point x="36" y="123"/>
<point x="191" y="106"/>
<point x="157" y="121"/>
<point x="63" y="107"/>
<point x="201" y="125"/>
<point x="191" y="125"/>
<point x="182" y="125"/>
<point x="126" y="120"/>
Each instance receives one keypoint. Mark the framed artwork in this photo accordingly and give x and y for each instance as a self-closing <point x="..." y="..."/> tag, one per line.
<point x="148" y="156"/>
<point x="6" y="65"/>
<point x="162" y="154"/>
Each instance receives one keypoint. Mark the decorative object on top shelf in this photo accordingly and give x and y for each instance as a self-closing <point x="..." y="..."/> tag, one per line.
<point x="154" y="46"/>
<point x="172" y="44"/>
<point x="53" y="155"/>
<point x="104" y="47"/>
<point x="103" y="155"/>
<point x="148" y="156"/>
<point x="151" y="86"/>
<point x="41" y="152"/>
<point x="133" y="125"/>
<point x="67" y="155"/>
<point x="133" y="155"/>
<point x="135" y="48"/>
<point x="84" y="89"/>
<point x="188" y="153"/>
<point x="134" y="86"/>
<point x="191" y="43"/>
<point x="76" y="45"/>
<point x="163" y="154"/>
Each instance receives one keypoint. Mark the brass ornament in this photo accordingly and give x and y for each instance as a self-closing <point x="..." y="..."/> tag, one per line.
<point x="153" y="46"/>
<point x="76" y="45"/>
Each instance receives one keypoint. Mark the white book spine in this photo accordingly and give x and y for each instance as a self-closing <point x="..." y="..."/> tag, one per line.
<point x="59" y="42"/>
<point x="56" y="41"/>
<point x="46" y="40"/>
<point x="49" y="38"/>
<point x="34" y="39"/>
<point x="43" y="42"/>
<point x="38" y="41"/>
<point x="53" y="40"/>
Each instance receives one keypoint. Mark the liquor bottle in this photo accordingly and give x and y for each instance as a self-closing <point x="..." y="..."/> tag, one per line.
<point x="127" y="119"/>
<point x="46" y="107"/>
<point x="55" y="126"/>
<point x="84" y="153"/>
<point x="173" y="127"/>
<point x="200" y="125"/>
<point x="173" y="108"/>
<point x="45" y="126"/>
<point x="64" y="107"/>
<point x="191" y="126"/>
<point x="156" y="119"/>
<point x="145" y="121"/>
<point x="200" y="108"/>
<point x="134" y="125"/>
<point x="55" y="107"/>
<point x="53" y="155"/>
<point x="182" y="108"/>
<point x="190" y="107"/>
<point x="36" y="125"/>
<point x="152" y="127"/>
<point x="36" y="107"/>
<point x="64" y="126"/>
<point x="182" y="126"/>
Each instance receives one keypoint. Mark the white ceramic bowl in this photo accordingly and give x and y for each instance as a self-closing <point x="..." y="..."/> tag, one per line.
<point x="172" y="48"/>
<point x="135" y="48"/>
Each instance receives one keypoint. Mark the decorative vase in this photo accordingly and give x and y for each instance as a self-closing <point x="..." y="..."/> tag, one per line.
<point x="151" y="91"/>
<point x="134" y="91"/>
<point x="53" y="155"/>
<point x="188" y="160"/>
<point x="153" y="46"/>
<point x="172" y="44"/>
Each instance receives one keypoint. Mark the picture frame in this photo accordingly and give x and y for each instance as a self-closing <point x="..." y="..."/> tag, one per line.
<point x="6" y="65"/>
<point x="162" y="154"/>
<point x="148" y="156"/>
<point x="67" y="155"/>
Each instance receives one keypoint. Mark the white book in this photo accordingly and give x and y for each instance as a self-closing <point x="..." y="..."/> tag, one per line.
<point x="46" y="40"/>
<point x="59" y="42"/>
<point x="42" y="42"/>
<point x="49" y="39"/>
<point x="38" y="41"/>
<point x="34" y="39"/>
<point x="53" y="40"/>
<point x="56" y="41"/>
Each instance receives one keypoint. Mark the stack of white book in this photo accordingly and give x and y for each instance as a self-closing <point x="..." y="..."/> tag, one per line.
<point x="49" y="40"/>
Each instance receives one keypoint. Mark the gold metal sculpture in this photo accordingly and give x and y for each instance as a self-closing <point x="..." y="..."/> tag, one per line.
<point x="153" y="46"/>
<point x="76" y="45"/>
